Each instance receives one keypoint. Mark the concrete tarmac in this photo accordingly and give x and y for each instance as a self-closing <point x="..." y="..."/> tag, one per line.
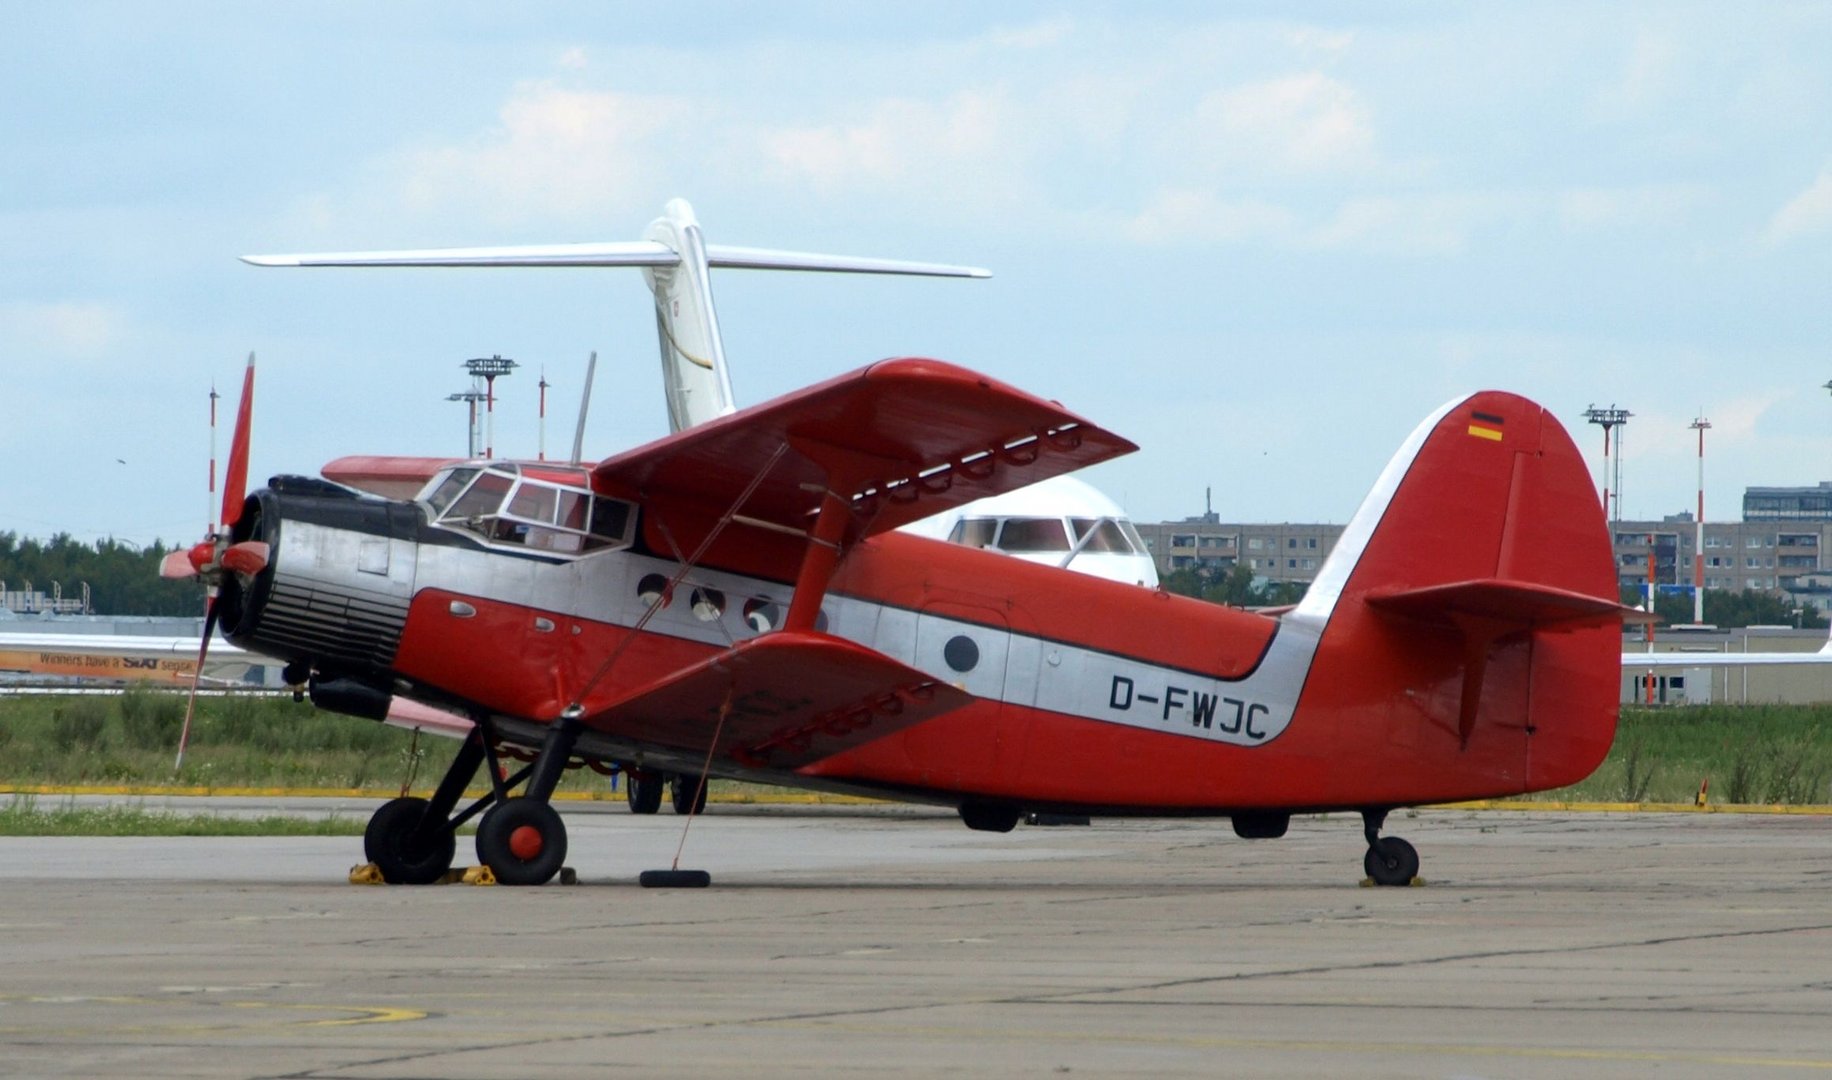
<point x="896" y="942"/>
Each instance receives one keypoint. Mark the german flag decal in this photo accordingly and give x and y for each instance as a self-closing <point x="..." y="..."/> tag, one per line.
<point x="1485" y="426"/>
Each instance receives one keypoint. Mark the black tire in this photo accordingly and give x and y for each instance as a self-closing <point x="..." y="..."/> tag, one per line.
<point x="1261" y="825"/>
<point x="498" y="842"/>
<point x="1391" y="861"/>
<point x="643" y="793"/>
<point x="404" y="859"/>
<point x="674" y="879"/>
<point x="690" y="795"/>
<point x="990" y="817"/>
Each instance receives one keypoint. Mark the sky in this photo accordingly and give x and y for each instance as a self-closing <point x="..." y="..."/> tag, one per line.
<point x="1261" y="240"/>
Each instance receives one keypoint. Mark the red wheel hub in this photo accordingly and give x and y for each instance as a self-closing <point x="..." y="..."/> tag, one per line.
<point x="525" y="843"/>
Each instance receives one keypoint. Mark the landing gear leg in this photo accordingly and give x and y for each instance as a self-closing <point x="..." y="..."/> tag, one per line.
<point x="410" y="839"/>
<point x="1390" y="860"/>
<point x="522" y="840"/>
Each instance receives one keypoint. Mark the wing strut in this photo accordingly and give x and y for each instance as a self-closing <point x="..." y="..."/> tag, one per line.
<point x="819" y="560"/>
<point x="577" y="707"/>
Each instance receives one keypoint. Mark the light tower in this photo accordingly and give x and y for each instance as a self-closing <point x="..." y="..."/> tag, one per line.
<point x="1609" y="419"/>
<point x="540" y="445"/>
<point x="470" y="397"/>
<point x="211" y="495"/>
<point x="488" y="369"/>
<point x="1699" y="425"/>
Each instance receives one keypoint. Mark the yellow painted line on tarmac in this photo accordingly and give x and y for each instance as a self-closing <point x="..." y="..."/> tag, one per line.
<point x="803" y="798"/>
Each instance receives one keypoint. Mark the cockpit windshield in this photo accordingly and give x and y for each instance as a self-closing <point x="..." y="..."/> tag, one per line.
<point x="1035" y="535"/>
<point x="549" y="508"/>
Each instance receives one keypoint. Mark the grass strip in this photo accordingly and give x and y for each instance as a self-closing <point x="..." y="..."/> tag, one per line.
<point x="24" y="817"/>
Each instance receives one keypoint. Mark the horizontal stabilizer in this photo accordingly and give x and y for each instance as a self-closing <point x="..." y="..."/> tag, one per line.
<point x="790" y="698"/>
<point x="1498" y="600"/>
<point x="623" y="253"/>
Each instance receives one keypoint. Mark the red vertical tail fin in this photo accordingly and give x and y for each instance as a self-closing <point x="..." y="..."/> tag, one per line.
<point x="1471" y="607"/>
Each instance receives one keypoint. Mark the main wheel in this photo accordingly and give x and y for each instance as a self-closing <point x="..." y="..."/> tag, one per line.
<point x="990" y="817"/>
<point x="522" y="841"/>
<point x="690" y="795"/>
<point x="393" y="842"/>
<point x="644" y="793"/>
<point x="1391" y="861"/>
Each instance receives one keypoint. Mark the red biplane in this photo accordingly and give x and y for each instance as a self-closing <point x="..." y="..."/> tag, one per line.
<point x="734" y="600"/>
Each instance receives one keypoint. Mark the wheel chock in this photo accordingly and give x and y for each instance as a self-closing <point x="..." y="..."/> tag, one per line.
<point x="367" y="874"/>
<point x="1415" y="883"/>
<point x="478" y="875"/>
<point x="674" y="879"/>
<point x="569" y="876"/>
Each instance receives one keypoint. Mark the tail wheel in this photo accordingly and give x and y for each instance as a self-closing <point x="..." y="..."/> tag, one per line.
<point x="690" y="794"/>
<point x="522" y="841"/>
<point x="1391" y="861"/>
<point x="644" y="793"/>
<point x="990" y="817"/>
<point x="405" y="855"/>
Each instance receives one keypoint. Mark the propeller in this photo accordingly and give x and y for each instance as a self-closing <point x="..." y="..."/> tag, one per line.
<point x="211" y="558"/>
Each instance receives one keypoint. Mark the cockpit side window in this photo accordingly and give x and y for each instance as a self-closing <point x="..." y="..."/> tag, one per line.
<point x="507" y="505"/>
<point x="533" y="502"/>
<point x="441" y="497"/>
<point x="484" y="498"/>
<point x="1033" y="534"/>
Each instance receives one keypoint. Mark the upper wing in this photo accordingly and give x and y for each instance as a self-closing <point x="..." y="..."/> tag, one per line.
<point x="900" y="439"/>
<point x="389" y="477"/>
<point x="787" y="699"/>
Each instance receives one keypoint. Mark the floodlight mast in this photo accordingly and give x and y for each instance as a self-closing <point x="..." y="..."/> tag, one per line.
<point x="1700" y="425"/>
<point x="489" y="368"/>
<point x="1608" y="419"/>
<point x="470" y="397"/>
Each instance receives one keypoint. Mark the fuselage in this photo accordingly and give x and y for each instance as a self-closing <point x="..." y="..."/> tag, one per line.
<point x="1086" y="693"/>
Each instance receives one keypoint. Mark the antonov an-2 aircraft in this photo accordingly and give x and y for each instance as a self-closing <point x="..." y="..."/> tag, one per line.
<point x="735" y="600"/>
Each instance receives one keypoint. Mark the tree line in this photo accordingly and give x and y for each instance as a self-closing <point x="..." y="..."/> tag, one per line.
<point x="123" y="578"/>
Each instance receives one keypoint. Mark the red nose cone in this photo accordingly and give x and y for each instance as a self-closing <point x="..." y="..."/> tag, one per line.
<point x="525" y="843"/>
<point x="247" y="557"/>
<point x="201" y="555"/>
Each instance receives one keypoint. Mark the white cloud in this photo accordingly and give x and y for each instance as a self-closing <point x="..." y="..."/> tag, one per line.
<point x="1438" y="224"/>
<point x="1185" y="215"/>
<point x="1806" y="213"/>
<point x="67" y="329"/>
<point x="1599" y="208"/>
<point x="1302" y="123"/>
<point x="554" y="151"/>
<point x="1037" y="35"/>
<point x="905" y="143"/>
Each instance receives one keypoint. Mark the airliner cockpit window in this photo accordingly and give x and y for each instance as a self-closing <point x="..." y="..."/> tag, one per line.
<point x="1104" y="535"/>
<point x="1033" y="534"/>
<point x="975" y="532"/>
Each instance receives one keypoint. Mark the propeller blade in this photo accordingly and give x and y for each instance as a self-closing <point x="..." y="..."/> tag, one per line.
<point x="235" y="476"/>
<point x="177" y="565"/>
<point x="248" y="557"/>
<point x="190" y="705"/>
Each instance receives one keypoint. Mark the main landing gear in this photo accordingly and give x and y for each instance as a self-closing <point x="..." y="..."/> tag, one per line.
<point x="1390" y="860"/>
<point x="521" y="838"/>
